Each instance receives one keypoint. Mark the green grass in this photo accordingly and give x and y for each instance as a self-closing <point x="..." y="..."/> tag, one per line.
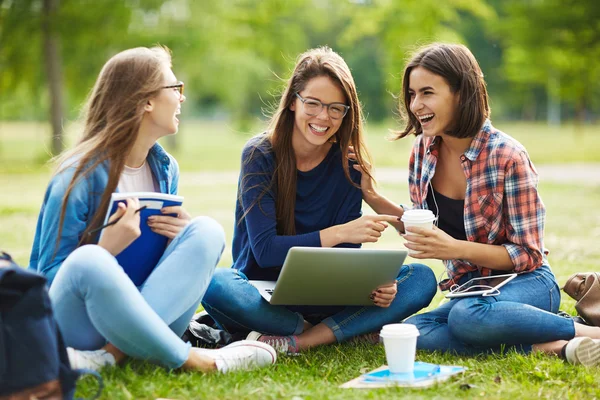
<point x="572" y="235"/>
<point x="318" y="373"/>
<point x="216" y="145"/>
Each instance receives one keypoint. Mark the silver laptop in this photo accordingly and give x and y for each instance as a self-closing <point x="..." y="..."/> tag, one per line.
<point x="331" y="276"/>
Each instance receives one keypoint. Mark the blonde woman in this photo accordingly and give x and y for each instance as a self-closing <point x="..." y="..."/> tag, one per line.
<point x="103" y="316"/>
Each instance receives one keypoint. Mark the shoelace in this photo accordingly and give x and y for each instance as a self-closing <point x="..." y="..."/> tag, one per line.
<point x="280" y="344"/>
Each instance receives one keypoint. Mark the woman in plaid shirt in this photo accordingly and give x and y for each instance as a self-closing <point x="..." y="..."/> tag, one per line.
<point x="482" y="186"/>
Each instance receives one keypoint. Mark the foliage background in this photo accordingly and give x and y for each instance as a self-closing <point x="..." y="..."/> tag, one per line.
<point x="539" y="56"/>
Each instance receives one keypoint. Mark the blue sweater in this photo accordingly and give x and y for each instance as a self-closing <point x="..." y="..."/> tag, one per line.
<point x="324" y="198"/>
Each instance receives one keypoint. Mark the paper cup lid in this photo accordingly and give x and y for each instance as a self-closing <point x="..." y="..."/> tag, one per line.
<point x="399" y="330"/>
<point x="418" y="216"/>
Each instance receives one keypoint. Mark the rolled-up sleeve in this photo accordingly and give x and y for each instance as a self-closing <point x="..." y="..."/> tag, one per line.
<point x="525" y="214"/>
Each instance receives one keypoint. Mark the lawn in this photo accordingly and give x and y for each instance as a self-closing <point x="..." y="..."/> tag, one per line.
<point x="208" y="154"/>
<point x="216" y="145"/>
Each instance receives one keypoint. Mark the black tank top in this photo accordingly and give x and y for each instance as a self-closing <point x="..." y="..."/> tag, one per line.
<point x="450" y="214"/>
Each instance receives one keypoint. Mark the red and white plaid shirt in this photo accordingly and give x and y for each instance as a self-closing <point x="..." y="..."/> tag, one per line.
<point x="502" y="204"/>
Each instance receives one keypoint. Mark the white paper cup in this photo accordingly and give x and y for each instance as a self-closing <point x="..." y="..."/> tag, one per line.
<point x="419" y="219"/>
<point x="400" y="343"/>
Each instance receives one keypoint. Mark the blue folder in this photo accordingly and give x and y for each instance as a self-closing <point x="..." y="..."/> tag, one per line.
<point x="141" y="257"/>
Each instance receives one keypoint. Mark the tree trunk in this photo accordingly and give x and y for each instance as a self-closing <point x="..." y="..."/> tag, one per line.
<point x="53" y="67"/>
<point x="580" y="116"/>
<point x="529" y="109"/>
<point x="553" y="116"/>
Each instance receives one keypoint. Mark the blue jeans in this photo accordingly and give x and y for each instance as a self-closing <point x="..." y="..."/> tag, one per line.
<point x="237" y="305"/>
<point x="524" y="313"/>
<point x="95" y="302"/>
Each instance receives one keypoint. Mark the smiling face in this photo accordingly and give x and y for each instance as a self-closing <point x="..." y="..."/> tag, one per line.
<point x="316" y="130"/>
<point x="432" y="102"/>
<point x="162" y="110"/>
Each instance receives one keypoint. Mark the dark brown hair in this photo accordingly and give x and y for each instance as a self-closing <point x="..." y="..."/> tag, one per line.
<point x="112" y="118"/>
<point x="457" y="65"/>
<point x="314" y="63"/>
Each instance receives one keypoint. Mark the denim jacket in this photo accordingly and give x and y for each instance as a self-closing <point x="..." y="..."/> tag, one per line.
<point x="46" y="258"/>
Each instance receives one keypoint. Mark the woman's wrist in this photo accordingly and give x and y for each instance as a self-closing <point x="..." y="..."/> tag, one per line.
<point x="461" y="249"/>
<point x="331" y="236"/>
<point x="109" y="247"/>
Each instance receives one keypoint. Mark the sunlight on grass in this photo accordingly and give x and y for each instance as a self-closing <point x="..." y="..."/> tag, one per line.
<point x="216" y="145"/>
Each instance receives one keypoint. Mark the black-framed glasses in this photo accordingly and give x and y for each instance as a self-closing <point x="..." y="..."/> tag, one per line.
<point x="179" y="86"/>
<point x="314" y="107"/>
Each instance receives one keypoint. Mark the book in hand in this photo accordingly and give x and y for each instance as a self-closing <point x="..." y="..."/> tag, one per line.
<point x="141" y="257"/>
<point x="424" y="375"/>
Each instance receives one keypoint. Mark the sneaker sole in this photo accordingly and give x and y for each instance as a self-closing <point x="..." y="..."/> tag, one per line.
<point x="588" y="353"/>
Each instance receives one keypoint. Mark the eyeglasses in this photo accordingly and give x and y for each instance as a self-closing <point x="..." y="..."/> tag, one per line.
<point x="179" y="86"/>
<point x="314" y="107"/>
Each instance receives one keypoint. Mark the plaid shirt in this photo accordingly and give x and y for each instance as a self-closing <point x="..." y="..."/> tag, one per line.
<point x="502" y="204"/>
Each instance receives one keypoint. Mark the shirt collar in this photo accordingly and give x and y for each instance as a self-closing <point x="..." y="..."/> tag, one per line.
<point x="159" y="153"/>
<point x="432" y="145"/>
<point x="479" y="141"/>
<point x="477" y="144"/>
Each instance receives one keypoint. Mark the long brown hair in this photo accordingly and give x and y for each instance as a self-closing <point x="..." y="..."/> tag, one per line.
<point x="457" y="65"/>
<point x="314" y="63"/>
<point x="112" y="118"/>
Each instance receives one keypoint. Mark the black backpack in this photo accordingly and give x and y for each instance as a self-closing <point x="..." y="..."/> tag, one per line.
<point x="32" y="351"/>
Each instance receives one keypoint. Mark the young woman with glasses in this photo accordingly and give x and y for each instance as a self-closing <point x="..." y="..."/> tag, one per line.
<point x="483" y="187"/>
<point x="297" y="188"/>
<point x="101" y="313"/>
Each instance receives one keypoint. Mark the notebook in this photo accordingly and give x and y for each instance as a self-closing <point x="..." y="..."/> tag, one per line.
<point x="140" y="257"/>
<point x="424" y="375"/>
<point x="331" y="276"/>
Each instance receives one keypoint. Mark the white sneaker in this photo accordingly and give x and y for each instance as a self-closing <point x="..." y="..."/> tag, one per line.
<point x="241" y="355"/>
<point x="584" y="351"/>
<point x="94" y="360"/>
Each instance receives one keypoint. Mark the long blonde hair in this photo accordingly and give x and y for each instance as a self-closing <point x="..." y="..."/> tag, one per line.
<point x="112" y="118"/>
<point x="314" y="63"/>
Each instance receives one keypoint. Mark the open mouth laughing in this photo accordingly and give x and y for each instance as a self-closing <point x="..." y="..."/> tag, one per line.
<point x="318" y="130"/>
<point x="425" y="118"/>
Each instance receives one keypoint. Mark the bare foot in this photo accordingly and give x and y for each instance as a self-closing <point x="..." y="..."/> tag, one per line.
<point x="116" y="353"/>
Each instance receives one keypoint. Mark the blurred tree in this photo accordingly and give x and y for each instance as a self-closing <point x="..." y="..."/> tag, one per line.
<point x="246" y="46"/>
<point x="402" y="26"/>
<point x="53" y="68"/>
<point x="233" y="54"/>
<point x="554" y="44"/>
<point x="47" y="46"/>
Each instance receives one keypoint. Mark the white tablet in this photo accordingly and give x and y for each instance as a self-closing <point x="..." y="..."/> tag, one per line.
<point x="481" y="286"/>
